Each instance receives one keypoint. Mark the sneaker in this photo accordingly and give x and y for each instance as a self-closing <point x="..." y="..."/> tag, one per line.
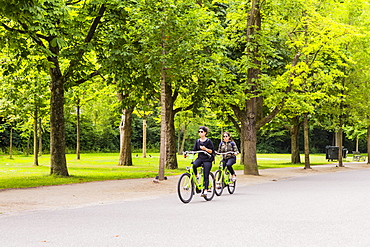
<point x="233" y="179"/>
<point x="204" y="194"/>
<point x="218" y="186"/>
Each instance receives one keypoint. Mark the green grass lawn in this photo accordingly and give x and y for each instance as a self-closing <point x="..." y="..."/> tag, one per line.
<point x="19" y="172"/>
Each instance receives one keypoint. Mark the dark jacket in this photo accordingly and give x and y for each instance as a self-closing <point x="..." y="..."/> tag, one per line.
<point x="226" y="147"/>
<point x="208" y="144"/>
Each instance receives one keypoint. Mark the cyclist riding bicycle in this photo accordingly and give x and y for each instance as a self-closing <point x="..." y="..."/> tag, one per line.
<point x="205" y="144"/>
<point x="228" y="145"/>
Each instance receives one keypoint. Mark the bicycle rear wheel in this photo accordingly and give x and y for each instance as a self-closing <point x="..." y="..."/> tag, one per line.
<point x="211" y="187"/>
<point x="219" y="183"/>
<point x="185" y="188"/>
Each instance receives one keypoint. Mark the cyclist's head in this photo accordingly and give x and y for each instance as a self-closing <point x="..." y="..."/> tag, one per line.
<point x="204" y="129"/>
<point x="226" y="136"/>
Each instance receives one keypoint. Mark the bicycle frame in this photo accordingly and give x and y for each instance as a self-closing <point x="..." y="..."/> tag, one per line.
<point x="223" y="169"/>
<point x="224" y="176"/>
<point x="199" y="183"/>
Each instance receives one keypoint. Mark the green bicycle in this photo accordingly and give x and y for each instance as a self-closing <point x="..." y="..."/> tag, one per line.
<point x="189" y="183"/>
<point x="223" y="178"/>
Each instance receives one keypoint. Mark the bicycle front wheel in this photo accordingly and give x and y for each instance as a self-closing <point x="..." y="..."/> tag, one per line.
<point x="219" y="183"/>
<point x="231" y="186"/>
<point x="185" y="188"/>
<point x="211" y="187"/>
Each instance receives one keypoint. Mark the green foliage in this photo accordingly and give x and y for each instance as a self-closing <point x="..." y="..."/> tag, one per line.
<point x="205" y="54"/>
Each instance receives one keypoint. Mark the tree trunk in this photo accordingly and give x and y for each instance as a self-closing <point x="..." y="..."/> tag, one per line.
<point x="294" y="140"/>
<point x="78" y="131"/>
<point x="40" y="137"/>
<point x="336" y="141"/>
<point x="171" y="162"/>
<point x="248" y="116"/>
<point x="125" y="157"/>
<point x="368" y="145"/>
<point x="11" y="143"/>
<point x="183" y="141"/>
<point x="179" y="139"/>
<point x="168" y="156"/>
<point x="144" y="137"/>
<point x="28" y="145"/>
<point x="306" y="143"/>
<point x="165" y="95"/>
<point x="248" y="137"/>
<point x="58" y="163"/>
<point x="35" y="139"/>
<point x="340" y="143"/>
<point x="249" y="146"/>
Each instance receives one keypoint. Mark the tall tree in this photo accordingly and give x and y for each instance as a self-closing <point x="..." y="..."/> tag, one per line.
<point x="245" y="44"/>
<point x="144" y="111"/>
<point x="177" y="42"/>
<point x="24" y="94"/>
<point x="61" y="31"/>
<point x="358" y="80"/>
<point x="261" y="93"/>
<point x="119" y="51"/>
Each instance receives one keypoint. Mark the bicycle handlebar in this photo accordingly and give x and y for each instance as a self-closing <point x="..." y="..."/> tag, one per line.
<point x="194" y="152"/>
<point x="229" y="152"/>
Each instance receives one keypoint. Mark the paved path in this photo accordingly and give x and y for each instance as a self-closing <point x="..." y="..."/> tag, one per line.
<point x="322" y="210"/>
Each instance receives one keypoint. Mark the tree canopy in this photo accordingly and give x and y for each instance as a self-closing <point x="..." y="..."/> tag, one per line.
<point x="251" y="65"/>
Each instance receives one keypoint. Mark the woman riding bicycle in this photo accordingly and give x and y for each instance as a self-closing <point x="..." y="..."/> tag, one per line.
<point x="205" y="144"/>
<point x="228" y="145"/>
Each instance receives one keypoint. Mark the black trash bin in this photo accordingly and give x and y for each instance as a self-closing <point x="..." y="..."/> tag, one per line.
<point x="332" y="152"/>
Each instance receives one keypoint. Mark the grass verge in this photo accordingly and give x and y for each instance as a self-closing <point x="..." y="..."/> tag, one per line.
<point x="19" y="172"/>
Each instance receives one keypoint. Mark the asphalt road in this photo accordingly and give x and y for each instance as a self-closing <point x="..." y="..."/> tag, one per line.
<point x="321" y="210"/>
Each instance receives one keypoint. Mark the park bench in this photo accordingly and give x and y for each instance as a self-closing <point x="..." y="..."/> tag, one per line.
<point x="358" y="157"/>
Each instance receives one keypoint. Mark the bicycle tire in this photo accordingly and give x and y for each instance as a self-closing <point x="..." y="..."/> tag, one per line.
<point x="211" y="194"/>
<point x="231" y="187"/>
<point x="219" y="183"/>
<point x="185" y="188"/>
